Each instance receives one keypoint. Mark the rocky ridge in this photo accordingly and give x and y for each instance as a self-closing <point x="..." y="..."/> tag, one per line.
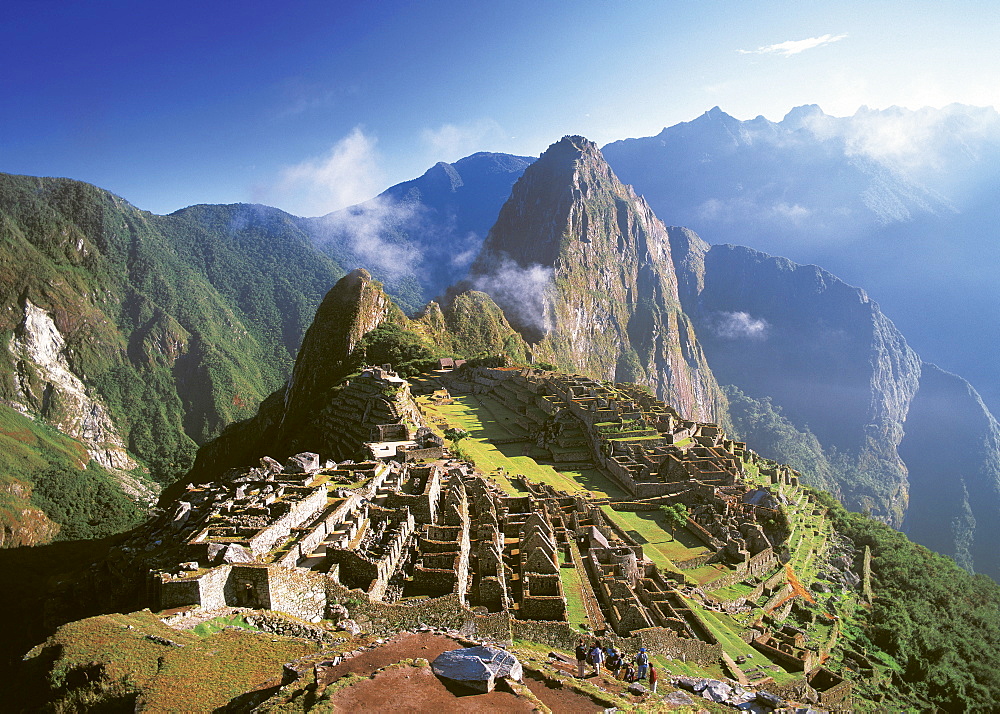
<point x="582" y="269"/>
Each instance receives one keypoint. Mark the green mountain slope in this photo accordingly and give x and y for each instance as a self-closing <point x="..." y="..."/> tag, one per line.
<point x="143" y="335"/>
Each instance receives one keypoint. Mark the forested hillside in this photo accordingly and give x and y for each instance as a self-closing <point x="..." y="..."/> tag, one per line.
<point x="141" y="336"/>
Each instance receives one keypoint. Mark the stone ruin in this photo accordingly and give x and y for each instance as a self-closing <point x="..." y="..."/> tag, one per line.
<point x="293" y="536"/>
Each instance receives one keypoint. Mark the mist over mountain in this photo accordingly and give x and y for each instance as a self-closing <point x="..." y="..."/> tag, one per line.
<point x="901" y="202"/>
<point x="421" y="236"/>
<point x="208" y="306"/>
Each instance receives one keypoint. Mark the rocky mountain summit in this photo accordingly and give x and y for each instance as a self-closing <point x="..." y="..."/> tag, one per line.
<point x="582" y="269"/>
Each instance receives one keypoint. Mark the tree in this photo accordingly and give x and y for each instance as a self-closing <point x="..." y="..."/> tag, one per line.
<point x="676" y="515"/>
<point x="455" y="435"/>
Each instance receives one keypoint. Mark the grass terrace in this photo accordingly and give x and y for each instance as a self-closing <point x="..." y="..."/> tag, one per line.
<point x="651" y="530"/>
<point x="476" y="414"/>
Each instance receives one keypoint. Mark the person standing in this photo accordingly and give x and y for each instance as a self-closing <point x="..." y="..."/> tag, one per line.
<point x="652" y="678"/>
<point x="581" y="658"/>
<point x="641" y="663"/>
<point x="596" y="658"/>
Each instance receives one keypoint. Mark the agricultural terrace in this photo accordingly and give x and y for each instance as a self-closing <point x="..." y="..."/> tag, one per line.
<point x="490" y="424"/>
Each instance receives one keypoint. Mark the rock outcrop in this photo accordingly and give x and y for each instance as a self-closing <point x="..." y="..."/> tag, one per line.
<point x="45" y="385"/>
<point x="309" y="412"/>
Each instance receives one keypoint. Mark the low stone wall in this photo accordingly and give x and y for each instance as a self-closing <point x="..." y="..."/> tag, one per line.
<point x="699" y="532"/>
<point x="446" y="611"/>
<point x="658" y="640"/>
<point x="695" y="562"/>
<point x="266" y="539"/>
<point x="280" y="624"/>
<point x="764" y="560"/>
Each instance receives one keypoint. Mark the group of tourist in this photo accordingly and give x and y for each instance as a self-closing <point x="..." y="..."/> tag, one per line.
<point x="630" y="670"/>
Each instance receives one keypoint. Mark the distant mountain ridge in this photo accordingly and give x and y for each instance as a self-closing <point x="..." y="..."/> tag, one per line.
<point x="420" y="236"/>
<point x="902" y="202"/>
<point x="138" y="336"/>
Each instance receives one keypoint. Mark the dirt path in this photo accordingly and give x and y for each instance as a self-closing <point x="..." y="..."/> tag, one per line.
<point x="400" y="647"/>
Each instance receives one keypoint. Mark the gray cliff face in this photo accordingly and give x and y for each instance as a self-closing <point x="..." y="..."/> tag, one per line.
<point x="355" y="306"/>
<point x="46" y="387"/>
<point x="821" y="349"/>
<point x="582" y="269"/>
<point x="952" y="447"/>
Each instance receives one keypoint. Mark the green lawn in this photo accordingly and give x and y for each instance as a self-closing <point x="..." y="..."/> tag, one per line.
<point x="650" y="528"/>
<point x="477" y="414"/>
<point x="728" y="633"/>
<point x="576" y="612"/>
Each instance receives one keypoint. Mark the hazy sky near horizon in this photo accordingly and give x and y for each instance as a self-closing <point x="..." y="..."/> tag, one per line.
<point x="312" y="106"/>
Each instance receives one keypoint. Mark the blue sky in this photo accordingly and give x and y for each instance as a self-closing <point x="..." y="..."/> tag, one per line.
<point x="310" y="106"/>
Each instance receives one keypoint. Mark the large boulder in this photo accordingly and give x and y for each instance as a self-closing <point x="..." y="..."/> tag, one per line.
<point x="303" y="463"/>
<point x="477" y="667"/>
<point x="678" y="699"/>
<point x="236" y="553"/>
<point x="717" y="691"/>
<point x="269" y="466"/>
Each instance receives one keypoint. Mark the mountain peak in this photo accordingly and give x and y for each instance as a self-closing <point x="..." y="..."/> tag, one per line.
<point x="797" y="117"/>
<point x="564" y="154"/>
<point x="352" y="308"/>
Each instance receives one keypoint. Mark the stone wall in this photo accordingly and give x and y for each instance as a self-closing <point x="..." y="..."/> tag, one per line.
<point x="760" y="563"/>
<point x="268" y="537"/>
<point x="178" y="593"/>
<point x="248" y="586"/>
<point x="213" y="586"/>
<point x="658" y="640"/>
<point x="298" y="592"/>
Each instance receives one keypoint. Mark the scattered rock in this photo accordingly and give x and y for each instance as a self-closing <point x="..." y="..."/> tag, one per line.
<point x="236" y="553"/>
<point x="678" y="699"/>
<point x="689" y="683"/>
<point x="717" y="691"/>
<point x="350" y="626"/>
<point x="637" y="689"/>
<point x="770" y="700"/>
<point x="163" y="641"/>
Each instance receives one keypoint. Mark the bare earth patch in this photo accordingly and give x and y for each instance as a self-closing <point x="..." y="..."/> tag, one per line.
<point x="418" y="689"/>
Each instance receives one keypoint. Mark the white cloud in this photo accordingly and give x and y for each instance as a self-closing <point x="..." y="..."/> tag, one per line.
<point x="374" y="232"/>
<point x="521" y="292"/>
<point x="348" y="174"/>
<point x="794" y="47"/>
<point x="794" y="213"/>
<point x="740" y="326"/>
<point x="450" y="142"/>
